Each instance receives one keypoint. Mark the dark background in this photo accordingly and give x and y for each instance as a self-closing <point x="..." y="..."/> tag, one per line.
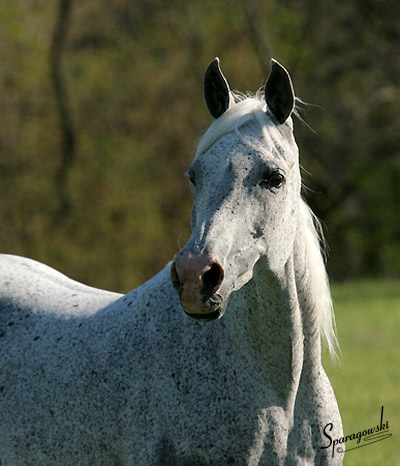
<point x="101" y="105"/>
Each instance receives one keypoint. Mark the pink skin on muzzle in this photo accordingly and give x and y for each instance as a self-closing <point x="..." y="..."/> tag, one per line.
<point x="197" y="277"/>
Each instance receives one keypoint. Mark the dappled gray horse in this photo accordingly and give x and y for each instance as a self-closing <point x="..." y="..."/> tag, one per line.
<point x="90" y="377"/>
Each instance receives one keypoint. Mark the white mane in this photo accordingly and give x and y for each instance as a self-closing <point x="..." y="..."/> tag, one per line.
<point x="253" y="107"/>
<point x="320" y="291"/>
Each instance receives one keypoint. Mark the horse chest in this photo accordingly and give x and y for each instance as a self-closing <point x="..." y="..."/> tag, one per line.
<point x="201" y="409"/>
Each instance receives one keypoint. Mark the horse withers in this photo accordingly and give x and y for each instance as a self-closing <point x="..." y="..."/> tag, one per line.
<point x="92" y="377"/>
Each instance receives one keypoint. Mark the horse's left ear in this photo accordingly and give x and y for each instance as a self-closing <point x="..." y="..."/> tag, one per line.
<point x="279" y="92"/>
<point x="216" y="90"/>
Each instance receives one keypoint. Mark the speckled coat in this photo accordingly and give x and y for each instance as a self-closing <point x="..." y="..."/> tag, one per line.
<point x="93" y="377"/>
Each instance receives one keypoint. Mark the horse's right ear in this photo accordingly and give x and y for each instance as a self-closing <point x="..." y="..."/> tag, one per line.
<point x="216" y="90"/>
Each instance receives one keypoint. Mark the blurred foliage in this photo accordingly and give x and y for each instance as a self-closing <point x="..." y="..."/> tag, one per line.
<point x="133" y="72"/>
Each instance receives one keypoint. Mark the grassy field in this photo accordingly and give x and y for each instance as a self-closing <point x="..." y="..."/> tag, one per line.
<point x="368" y="374"/>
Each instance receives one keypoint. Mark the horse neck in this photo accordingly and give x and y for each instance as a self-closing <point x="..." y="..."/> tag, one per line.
<point x="275" y="322"/>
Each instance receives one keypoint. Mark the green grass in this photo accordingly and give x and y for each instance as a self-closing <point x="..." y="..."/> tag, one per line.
<point x="368" y="375"/>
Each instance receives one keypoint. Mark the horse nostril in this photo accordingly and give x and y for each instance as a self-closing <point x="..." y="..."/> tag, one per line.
<point x="196" y="276"/>
<point x="212" y="279"/>
<point x="176" y="282"/>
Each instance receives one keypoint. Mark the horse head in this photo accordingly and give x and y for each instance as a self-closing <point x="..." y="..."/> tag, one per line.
<point x="246" y="185"/>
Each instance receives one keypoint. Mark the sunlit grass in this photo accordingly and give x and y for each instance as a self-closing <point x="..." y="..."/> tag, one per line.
<point x="368" y="376"/>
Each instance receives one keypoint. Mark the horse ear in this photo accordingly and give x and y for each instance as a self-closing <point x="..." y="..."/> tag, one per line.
<point x="216" y="90"/>
<point x="279" y="92"/>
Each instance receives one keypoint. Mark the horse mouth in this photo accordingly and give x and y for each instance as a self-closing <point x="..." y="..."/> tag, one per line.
<point x="210" y="317"/>
<point x="212" y="309"/>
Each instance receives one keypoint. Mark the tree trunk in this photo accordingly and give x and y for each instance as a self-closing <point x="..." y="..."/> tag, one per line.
<point x="63" y="107"/>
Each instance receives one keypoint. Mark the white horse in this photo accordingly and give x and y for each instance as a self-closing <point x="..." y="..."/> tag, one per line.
<point x="90" y="377"/>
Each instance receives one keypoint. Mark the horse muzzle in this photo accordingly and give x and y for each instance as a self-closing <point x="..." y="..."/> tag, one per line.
<point x="197" y="278"/>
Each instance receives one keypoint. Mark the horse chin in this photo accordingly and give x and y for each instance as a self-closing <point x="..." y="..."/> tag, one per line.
<point x="210" y="317"/>
<point x="211" y="309"/>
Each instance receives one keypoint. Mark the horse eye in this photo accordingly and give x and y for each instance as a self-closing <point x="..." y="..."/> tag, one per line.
<point x="274" y="179"/>
<point x="191" y="177"/>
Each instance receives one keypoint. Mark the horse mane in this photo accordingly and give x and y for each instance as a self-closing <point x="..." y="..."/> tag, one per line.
<point x="315" y="247"/>
<point x="253" y="107"/>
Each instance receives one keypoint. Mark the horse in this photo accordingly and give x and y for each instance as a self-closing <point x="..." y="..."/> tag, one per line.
<point x="216" y="360"/>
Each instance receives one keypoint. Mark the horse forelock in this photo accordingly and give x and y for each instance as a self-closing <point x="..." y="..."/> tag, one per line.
<point x="248" y="107"/>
